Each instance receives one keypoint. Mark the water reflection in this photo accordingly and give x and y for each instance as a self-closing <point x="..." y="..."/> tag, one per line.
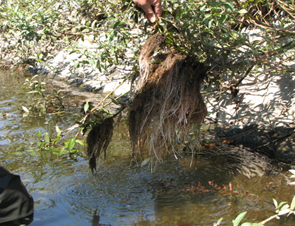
<point x="121" y="193"/>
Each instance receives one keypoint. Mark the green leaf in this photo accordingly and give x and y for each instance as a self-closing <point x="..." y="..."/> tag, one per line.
<point x="41" y="145"/>
<point x="219" y="221"/>
<point x="58" y="131"/>
<point x="247" y="224"/>
<point x="46" y="138"/>
<point x="222" y="19"/>
<point x="114" y="101"/>
<point x="228" y="6"/>
<point x="144" y="162"/>
<point x="74" y="151"/>
<point x="80" y="142"/>
<point x="86" y="106"/>
<point x="71" y="143"/>
<point x="239" y="218"/>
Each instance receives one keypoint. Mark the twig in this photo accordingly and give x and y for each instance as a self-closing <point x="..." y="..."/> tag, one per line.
<point x="110" y="93"/>
<point x="282" y="4"/>
<point x="244" y="76"/>
<point x="93" y="109"/>
<point x="268" y="219"/>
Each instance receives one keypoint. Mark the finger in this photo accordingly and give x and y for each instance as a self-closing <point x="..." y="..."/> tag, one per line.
<point x="157" y="7"/>
<point x="149" y="12"/>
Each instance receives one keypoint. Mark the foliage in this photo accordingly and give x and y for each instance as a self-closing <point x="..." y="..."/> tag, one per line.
<point x="48" y="102"/>
<point x="214" y="32"/>
<point x="42" y="102"/>
<point x="52" y="145"/>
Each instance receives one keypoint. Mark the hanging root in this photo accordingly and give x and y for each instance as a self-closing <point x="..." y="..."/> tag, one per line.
<point x="168" y="101"/>
<point x="99" y="137"/>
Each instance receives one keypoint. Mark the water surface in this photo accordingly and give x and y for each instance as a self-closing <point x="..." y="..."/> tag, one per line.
<point x="122" y="192"/>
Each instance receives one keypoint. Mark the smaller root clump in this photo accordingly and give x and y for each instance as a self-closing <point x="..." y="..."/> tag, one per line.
<point x="99" y="137"/>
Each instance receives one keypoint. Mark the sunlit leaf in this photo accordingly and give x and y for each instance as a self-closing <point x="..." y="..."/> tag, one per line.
<point x="243" y="11"/>
<point x="34" y="91"/>
<point x="239" y="218"/>
<point x="283" y="212"/>
<point x="145" y="161"/>
<point x="86" y="106"/>
<point x="292" y="206"/>
<point x="26" y="110"/>
<point x="283" y="205"/>
<point x="219" y="221"/>
<point x="80" y="142"/>
<point x="58" y="131"/>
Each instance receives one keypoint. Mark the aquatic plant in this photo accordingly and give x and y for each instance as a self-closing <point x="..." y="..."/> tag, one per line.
<point x="42" y="102"/>
<point x="281" y="209"/>
<point x="55" y="145"/>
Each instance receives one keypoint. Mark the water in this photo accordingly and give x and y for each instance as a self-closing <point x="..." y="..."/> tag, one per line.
<point x="124" y="193"/>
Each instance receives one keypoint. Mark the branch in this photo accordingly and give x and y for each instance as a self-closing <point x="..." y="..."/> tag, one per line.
<point x="260" y="24"/>
<point x="245" y="75"/>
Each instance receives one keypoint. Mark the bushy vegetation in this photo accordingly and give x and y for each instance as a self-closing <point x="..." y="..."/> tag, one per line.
<point x="230" y="37"/>
<point x="214" y="32"/>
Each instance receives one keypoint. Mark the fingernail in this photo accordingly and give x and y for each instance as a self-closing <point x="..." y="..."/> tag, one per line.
<point x="153" y="19"/>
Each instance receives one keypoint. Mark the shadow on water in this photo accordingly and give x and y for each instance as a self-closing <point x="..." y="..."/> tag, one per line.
<point x="123" y="193"/>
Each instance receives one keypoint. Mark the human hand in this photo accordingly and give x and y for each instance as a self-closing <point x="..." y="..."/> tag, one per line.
<point x="152" y="8"/>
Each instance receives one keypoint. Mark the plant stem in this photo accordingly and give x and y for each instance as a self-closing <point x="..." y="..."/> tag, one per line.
<point x="269" y="219"/>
